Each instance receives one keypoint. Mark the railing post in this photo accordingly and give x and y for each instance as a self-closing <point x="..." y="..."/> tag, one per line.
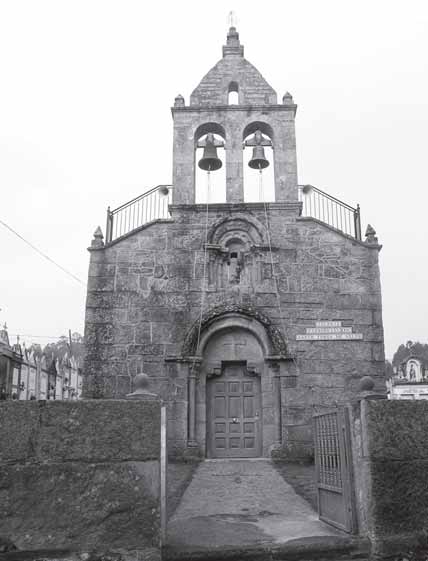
<point x="357" y="223"/>
<point x="109" y="225"/>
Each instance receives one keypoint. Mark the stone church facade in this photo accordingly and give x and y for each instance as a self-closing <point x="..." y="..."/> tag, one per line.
<point x="248" y="317"/>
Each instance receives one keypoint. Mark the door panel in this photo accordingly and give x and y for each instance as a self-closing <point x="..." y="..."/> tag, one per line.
<point x="234" y="414"/>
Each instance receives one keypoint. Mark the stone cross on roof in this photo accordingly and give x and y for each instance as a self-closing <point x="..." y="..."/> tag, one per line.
<point x="233" y="20"/>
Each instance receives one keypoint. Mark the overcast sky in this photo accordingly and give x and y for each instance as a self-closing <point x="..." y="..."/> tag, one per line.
<point x="85" y="95"/>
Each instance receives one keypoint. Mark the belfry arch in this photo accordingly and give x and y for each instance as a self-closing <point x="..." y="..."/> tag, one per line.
<point x="213" y="191"/>
<point x="236" y="358"/>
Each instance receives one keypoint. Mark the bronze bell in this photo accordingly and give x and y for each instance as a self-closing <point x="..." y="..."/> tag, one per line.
<point x="210" y="161"/>
<point x="258" y="161"/>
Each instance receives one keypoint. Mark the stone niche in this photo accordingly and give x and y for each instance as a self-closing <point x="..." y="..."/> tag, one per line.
<point x="235" y="249"/>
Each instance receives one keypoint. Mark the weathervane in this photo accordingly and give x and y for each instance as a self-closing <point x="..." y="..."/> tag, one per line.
<point x="233" y="20"/>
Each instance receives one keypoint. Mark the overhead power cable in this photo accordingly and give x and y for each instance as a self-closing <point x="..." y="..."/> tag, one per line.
<point x="41" y="253"/>
<point x="36" y="336"/>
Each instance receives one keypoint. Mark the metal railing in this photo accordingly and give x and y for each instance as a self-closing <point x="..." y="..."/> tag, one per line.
<point x="150" y="206"/>
<point x="153" y="205"/>
<point x="322" y="206"/>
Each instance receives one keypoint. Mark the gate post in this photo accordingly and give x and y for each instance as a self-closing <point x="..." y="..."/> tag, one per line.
<point x="359" y="449"/>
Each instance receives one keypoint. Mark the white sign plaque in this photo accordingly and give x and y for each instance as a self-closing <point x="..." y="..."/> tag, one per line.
<point x="328" y="324"/>
<point x="329" y="331"/>
<point x="329" y="337"/>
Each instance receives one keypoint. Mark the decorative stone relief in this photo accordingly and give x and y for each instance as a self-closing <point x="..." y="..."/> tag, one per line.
<point x="214" y="369"/>
<point x="253" y="369"/>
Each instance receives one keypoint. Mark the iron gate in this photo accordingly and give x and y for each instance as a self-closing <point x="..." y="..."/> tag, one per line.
<point x="333" y="469"/>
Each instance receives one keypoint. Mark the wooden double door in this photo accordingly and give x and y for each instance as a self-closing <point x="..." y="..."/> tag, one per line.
<point x="234" y="413"/>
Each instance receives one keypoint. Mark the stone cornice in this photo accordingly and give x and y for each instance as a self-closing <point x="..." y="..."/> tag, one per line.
<point x="335" y="230"/>
<point x="238" y="207"/>
<point x="206" y="108"/>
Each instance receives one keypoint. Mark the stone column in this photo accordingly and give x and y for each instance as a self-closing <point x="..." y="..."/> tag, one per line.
<point x="277" y="397"/>
<point x="193" y="375"/>
<point x="192" y="408"/>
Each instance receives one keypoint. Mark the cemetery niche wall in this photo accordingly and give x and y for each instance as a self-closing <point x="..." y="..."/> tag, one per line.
<point x="248" y="314"/>
<point x="410" y="380"/>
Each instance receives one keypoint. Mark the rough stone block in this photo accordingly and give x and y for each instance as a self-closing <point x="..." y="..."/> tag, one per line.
<point x="399" y="497"/>
<point x="80" y="505"/>
<point x="93" y="430"/>
<point x="398" y="430"/>
<point x="80" y="475"/>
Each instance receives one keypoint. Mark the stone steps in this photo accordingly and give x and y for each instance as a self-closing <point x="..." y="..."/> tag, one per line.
<point x="324" y="548"/>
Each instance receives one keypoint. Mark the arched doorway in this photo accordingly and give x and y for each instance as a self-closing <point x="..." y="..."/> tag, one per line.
<point x="233" y="394"/>
<point x="234" y="370"/>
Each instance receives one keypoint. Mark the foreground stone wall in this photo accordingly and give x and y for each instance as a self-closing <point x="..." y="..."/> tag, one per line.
<point x="145" y="293"/>
<point x="82" y="476"/>
<point x="391" y="453"/>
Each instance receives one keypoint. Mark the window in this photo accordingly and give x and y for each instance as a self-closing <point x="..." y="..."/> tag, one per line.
<point x="233" y="94"/>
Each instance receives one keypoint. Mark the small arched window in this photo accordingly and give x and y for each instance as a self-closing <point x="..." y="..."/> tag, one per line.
<point x="233" y="94"/>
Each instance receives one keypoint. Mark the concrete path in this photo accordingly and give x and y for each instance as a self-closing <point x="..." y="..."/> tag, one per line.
<point x="241" y="503"/>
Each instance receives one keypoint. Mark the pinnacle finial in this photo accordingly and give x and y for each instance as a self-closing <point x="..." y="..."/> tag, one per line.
<point x="98" y="240"/>
<point x="371" y="235"/>
<point x="179" y="101"/>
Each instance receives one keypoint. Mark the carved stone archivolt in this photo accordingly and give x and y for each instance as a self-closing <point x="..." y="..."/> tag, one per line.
<point x="275" y="337"/>
<point x="252" y="229"/>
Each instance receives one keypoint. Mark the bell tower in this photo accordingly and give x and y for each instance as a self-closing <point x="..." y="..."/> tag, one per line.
<point x="232" y="102"/>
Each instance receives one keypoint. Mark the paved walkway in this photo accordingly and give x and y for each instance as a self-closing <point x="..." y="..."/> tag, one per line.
<point x="241" y="503"/>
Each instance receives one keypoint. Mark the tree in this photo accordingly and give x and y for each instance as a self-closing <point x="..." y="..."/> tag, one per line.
<point x="61" y="347"/>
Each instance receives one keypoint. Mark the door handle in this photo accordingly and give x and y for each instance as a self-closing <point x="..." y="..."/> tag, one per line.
<point x="234" y="420"/>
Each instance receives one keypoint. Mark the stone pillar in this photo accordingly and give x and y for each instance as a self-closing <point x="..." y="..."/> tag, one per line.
<point x="183" y="169"/>
<point x="285" y="156"/>
<point x="234" y="167"/>
<point x="360" y="455"/>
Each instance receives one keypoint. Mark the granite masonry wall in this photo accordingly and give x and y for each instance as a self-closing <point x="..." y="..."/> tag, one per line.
<point x="390" y="446"/>
<point x="144" y="301"/>
<point x="80" y="476"/>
